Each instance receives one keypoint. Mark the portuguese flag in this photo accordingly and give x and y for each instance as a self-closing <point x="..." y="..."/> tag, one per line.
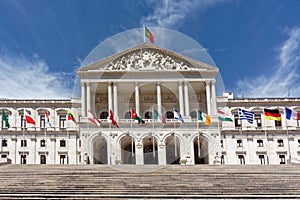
<point x="272" y="114"/>
<point x="71" y="116"/>
<point x="135" y="116"/>
<point x="149" y="35"/>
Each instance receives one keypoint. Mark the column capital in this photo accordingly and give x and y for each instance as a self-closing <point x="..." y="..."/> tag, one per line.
<point x="136" y="83"/>
<point x="186" y="82"/>
<point x="213" y="81"/>
<point x="207" y="82"/>
<point x="82" y="83"/>
<point x="158" y="83"/>
<point x="88" y="83"/>
<point x="180" y="82"/>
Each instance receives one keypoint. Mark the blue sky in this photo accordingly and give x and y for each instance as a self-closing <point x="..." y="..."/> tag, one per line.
<point x="255" y="44"/>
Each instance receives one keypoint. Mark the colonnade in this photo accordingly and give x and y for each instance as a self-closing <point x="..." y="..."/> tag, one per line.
<point x="183" y="97"/>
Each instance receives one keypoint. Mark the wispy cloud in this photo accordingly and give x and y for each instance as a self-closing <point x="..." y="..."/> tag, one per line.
<point x="30" y="78"/>
<point x="282" y="80"/>
<point x="168" y="13"/>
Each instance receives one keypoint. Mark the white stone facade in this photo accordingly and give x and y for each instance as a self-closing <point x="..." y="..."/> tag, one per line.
<point x="147" y="78"/>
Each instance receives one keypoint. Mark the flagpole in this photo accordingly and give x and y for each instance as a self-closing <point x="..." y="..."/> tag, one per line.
<point x="267" y="145"/>
<point x="287" y="135"/>
<point x="24" y="117"/>
<point x="197" y="121"/>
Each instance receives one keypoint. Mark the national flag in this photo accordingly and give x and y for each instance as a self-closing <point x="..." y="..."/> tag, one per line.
<point x="112" y="118"/>
<point x="223" y="116"/>
<point x="5" y="119"/>
<point x="159" y="116"/>
<point x="246" y="115"/>
<point x="135" y="116"/>
<point x="28" y="118"/>
<point x="71" y="116"/>
<point x="290" y="114"/>
<point x="149" y="35"/>
<point x="92" y="118"/>
<point x="47" y="121"/>
<point x="204" y="117"/>
<point x="272" y="114"/>
<point x="178" y="116"/>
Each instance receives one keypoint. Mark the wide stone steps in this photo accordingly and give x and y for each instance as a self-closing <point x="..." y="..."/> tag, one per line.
<point x="130" y="181"/>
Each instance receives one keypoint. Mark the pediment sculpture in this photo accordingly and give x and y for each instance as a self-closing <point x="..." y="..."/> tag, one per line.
<point x="146" y="60"/>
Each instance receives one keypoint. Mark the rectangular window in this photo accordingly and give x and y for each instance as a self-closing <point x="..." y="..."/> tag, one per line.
<point x="278" y="123"/>
<point x="4" y="143"/>
<point x="62" y="143"/>
<point x="23" y="143"/>
<point x="239" y="143"/>
<point x="221" y="141"/>
<point x="3" y="155"/>
<point x="237" y="121"/>
<point x="241" y="159"/>
<point x="23" y="121"/>
<point x="262" y="159"/>
<point x="299" y="142"/>
<point x="280" y="142"/>
<point x="79" y="143"/>
<point x="62" y="159"/>
<point x="42" y="121"/>
<point x="62" y="121"/>
<point x="222" y="159"/>
<point x="23" y="159"/>
<point x="43" y="143"/>
<point x="43" y="159"/>
<point x="257" y="118"/>
<point x="260" y="143"/>
<point x="282" y="159"/>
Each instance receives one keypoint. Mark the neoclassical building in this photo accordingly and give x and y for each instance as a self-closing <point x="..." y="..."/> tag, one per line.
<point x="151" y="81"/>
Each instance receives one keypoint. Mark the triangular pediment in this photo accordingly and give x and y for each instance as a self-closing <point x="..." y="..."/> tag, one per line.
<point x="145" y="57"/>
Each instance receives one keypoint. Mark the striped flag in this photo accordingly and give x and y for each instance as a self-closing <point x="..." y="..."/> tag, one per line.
<point x="223" y="116"/>
<point x="204" y="117"/>
<point x="93" y="119"/>
<point x="246" y="115"/>
<point x="177" y="116"/>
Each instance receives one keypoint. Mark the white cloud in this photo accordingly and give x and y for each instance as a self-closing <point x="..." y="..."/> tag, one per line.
<point x="24" y="78"/>
<point x="284" y="79"/>
<point x="168" y="13"/>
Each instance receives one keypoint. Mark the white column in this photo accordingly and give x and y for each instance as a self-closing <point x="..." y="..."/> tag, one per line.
<point x="83" y="99"/>
<point x="109" y="96"/>
<point x="137" y="98"/>
<point x="186" y="98"/>
<point x="88" y="96"/>
<point x="180" y="96"/>
<point x="208" y="103"/>
<point x="158" y="91"/>
<point x="116" y="100"/>
<point x="213" y="97"/>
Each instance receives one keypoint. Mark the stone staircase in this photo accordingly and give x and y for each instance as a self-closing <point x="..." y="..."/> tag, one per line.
<point x="152" y="182"/>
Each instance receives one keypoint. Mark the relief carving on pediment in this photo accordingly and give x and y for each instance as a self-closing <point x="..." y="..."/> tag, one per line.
<point x="146" y="60"/>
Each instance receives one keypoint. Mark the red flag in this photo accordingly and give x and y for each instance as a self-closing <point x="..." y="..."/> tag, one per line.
<point x="111" y="117"/>
<point x="28" y="118"/>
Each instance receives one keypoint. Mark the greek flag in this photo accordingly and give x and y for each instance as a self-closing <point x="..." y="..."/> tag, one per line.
<point x="246" y="115"/>
<point x="177" y="116"/>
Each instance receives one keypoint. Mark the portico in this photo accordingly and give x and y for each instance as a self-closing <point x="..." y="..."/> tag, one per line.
<point x="144" y="78"/>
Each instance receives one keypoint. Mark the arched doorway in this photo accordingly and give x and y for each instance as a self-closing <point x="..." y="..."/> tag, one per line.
<point x="200" y="150"/>
<point x="100" y="150"/>
<point x="128" y="150"/>
<point x="172" y="150"/>
<point x="150" y="150"/>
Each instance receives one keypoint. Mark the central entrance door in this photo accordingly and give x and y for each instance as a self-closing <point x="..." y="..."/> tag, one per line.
<point x="150" y="151"/>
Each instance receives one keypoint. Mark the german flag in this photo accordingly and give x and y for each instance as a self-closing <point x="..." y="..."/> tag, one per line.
<point x="272" y="114"/>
